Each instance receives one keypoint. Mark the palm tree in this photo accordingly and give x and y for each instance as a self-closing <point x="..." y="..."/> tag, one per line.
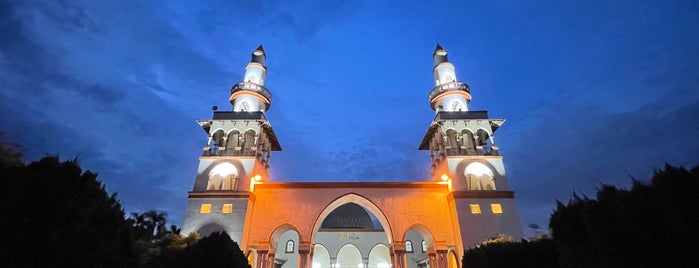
<point x="155" y="223"/>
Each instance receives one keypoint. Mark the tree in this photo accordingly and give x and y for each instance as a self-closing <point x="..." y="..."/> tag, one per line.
<point x="649" y="225"/>
<point x="150" y="225"/>
<point x="56" y="215"/>
<point x="10" y="154"/>
<point x="215" y="250"/>
<point x="501" y="252"/>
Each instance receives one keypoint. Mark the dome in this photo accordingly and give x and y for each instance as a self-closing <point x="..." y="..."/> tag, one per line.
<point x="348" y="216"/>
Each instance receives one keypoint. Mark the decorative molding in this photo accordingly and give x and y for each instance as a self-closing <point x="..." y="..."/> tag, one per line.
<point x="218" y="194"/>
<point x="277" y="185"/>
<point x="484" y="194"/>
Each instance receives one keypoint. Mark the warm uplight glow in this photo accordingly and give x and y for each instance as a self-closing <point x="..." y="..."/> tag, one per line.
<point x="496" y="208"/>
<point x="360" y="265"/>
<point x="445" y="177"/>
<point x="224" y="169"/>
<point x="478" y="169"/>
<point x="205" y="208"/>
<point x="258" y="177"/>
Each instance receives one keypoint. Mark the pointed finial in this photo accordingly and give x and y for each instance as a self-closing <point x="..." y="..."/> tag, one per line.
<point x="439" y="55"/>
<point x="259" y="55"/>
<point x="438" y="47"/>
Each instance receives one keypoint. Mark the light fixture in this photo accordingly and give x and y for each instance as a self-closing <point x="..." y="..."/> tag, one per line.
<point x="258" y="177"/>
<point x="445" y="177"/>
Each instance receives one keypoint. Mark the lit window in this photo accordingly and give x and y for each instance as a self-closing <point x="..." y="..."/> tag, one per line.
<point x="408" y="246"/>
<point x="227" y="208"/>
<point x="289" y="246"/>
<point x="205" y="208"/>
<point x="424" y="246"/>
<point x="496" y="208"/>
<point x="475" y="209"/>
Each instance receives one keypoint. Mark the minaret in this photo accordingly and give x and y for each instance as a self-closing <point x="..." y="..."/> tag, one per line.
<point x="451" y="95"/>
<point x="250" y="94"/>
<point x="463" y="153"/>
<point x="236" y="156"/>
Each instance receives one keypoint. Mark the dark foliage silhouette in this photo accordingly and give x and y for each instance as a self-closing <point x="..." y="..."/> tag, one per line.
<point x="649" y="225"/>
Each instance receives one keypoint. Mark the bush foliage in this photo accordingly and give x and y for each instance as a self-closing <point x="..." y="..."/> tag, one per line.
<point x="54" y="214"/>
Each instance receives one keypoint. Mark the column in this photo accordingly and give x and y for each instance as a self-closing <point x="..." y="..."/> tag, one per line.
<point x="442" y="261"/>
<point x="304" y="255"/>
<point x="433" y="259"/>
<point x="270" y="261"/>
<point x="261" y="259"/>
<point x="398" y="254"/>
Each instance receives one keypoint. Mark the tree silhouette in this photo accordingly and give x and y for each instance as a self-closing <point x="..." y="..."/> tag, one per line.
<point x="649" y="225"/>
<point x="215" y="250"/>
<point x="56" y="215"/>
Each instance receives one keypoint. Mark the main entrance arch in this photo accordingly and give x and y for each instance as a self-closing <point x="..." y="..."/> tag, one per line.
<point x="373" y="218"/>
<point x="350" y="228"/>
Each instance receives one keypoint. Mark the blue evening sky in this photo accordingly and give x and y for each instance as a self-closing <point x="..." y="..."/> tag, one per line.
<point x="593" y="91"/>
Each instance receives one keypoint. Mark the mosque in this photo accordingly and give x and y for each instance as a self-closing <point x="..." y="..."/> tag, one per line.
<point x="466" y="200"/>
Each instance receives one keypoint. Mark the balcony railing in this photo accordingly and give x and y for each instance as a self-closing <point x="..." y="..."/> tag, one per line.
<point x="249" y="86"/>
<point x="236" y="151"/>
<point x="446" y="87"/>
<point x="487" y="151"/>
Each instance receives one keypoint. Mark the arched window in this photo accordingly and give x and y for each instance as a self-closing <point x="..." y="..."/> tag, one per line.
<point x="483" y="141"/>
<point x="479" y="177"/>
<point x="452" y="142"/>
<point x="249" y="140"/>
<point x="216" y="142"/>
<point x="408" y="246"/>
<point x="224" y="176"/>
<point x="467" y="141"/>
<point x="233" y="141"/>
<point x="289" y="246"/>
<point x="244" y="107"/>
<point x="424" y="246"/>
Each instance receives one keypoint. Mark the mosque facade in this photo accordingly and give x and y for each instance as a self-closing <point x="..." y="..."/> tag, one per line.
<point x="466" y="200"/>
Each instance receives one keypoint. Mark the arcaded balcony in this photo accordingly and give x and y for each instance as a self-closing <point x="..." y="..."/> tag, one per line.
<point x="250" y="86"/>
<point x="447" y="87"/>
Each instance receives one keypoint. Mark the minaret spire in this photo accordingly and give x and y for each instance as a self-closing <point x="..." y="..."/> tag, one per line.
<point x="449" y="94"/>
<point x="258" y="55"/>
<point x="251" y="95"/>
<point x="439" y="55"/>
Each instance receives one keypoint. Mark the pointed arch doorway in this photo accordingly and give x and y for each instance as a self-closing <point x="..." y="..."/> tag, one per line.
<point x="351" y="232"/>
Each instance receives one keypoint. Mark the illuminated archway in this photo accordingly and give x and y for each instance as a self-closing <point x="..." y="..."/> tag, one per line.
<point x="423" y="244"/>
<point x="321" y="257"/>
<point x="379" y="257"/>
<point x="359" y="200"/>
<point x="279" y="240"/>
<point x="479" y="177"/>
<point x="349" y="257"/>
<point x="223" y="176"/>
